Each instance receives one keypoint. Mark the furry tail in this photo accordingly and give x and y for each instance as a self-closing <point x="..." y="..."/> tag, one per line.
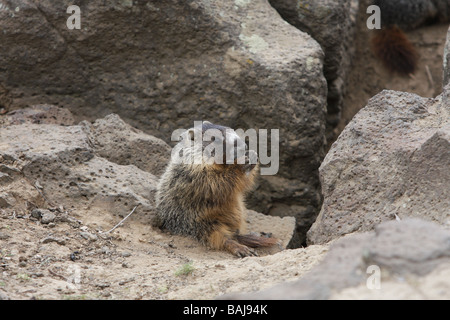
<point x="394" y="49"/>
<point x="254" y="241"/>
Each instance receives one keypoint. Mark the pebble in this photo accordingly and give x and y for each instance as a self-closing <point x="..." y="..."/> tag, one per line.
<point x="47" y="217"/>
<point x="53" y="239"/>
<point x="36" y="213"/>
<point x="105" y="250"/>
<point x="102" y="285"/>
<point x="88" y="236"/>
<point x="3" y="236"/>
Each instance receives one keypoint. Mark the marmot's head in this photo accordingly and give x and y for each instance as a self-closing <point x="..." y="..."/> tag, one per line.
<point x="212" y="144"/>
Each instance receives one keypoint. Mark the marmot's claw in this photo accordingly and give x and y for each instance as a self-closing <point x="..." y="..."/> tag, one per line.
<point x="244" y="251"/>
<point x="251" y="159"/>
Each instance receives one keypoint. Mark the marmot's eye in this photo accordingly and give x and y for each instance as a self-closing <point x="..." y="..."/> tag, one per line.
<point x="191" y="134"/>
<point x="216" y="138"/>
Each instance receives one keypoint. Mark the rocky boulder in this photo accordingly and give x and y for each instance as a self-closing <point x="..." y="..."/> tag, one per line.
<point x="392" y="160"/>
<point x="407" y="259"/>
<point x="332" y="24"/>
<point x="161" y="65"/>
<point x="63" y="166"/>
<point x="118" y="142"/>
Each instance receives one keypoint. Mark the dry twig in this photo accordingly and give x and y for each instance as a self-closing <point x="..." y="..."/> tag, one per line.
<point x="117" y="225"/>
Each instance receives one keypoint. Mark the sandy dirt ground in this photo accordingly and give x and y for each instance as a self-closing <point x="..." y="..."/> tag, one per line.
<point x="69" y="258"/>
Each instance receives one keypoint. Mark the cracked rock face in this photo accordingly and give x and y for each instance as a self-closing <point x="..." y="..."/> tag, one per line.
<point x="160" y="65"/>
<point x="52" y="165"/>
<point x="332" y="24"/>
<point x="392" y="159"/>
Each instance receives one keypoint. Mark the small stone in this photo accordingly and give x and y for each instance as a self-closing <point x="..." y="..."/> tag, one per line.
<point x="88" y="236"/>
<point x="3" y="236"/>
<point x="36" y="213"/>
<point x="71" y="221"/>
<point x="105" y="250"/>
<point x="102" y="285"/>
<point x="37" y="274"/>
<point x="53" y="239"/>
<point x="47" y="217"/>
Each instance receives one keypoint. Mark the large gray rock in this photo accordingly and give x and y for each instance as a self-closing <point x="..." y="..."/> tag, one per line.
<point x="413" y="251"/>
<point x="393" y="158"/>
<point x="53" y="165"/>
<point x="332" y="24"/>
<point x="160" y="65"/>
<point x="118" y="142"/>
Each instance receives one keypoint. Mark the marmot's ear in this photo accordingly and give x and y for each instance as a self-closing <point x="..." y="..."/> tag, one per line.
<point x="191" y="134"/>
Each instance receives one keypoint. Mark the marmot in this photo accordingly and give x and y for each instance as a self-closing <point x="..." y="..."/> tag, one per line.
<point x="390" y="44"/>
<point x="203" y="198"/>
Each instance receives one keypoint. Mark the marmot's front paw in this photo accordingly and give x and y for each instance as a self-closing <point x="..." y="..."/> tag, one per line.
<point x="239" y="250"/>
<point x="243" y="251"/>
<point x="251" y="159"/>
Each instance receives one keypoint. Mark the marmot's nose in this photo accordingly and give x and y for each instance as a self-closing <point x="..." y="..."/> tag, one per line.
<point x="248" y="158"/>
<point x="251" y="157"/>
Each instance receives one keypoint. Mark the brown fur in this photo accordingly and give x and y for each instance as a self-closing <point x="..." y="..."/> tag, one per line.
<point x="394" y="49"/>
